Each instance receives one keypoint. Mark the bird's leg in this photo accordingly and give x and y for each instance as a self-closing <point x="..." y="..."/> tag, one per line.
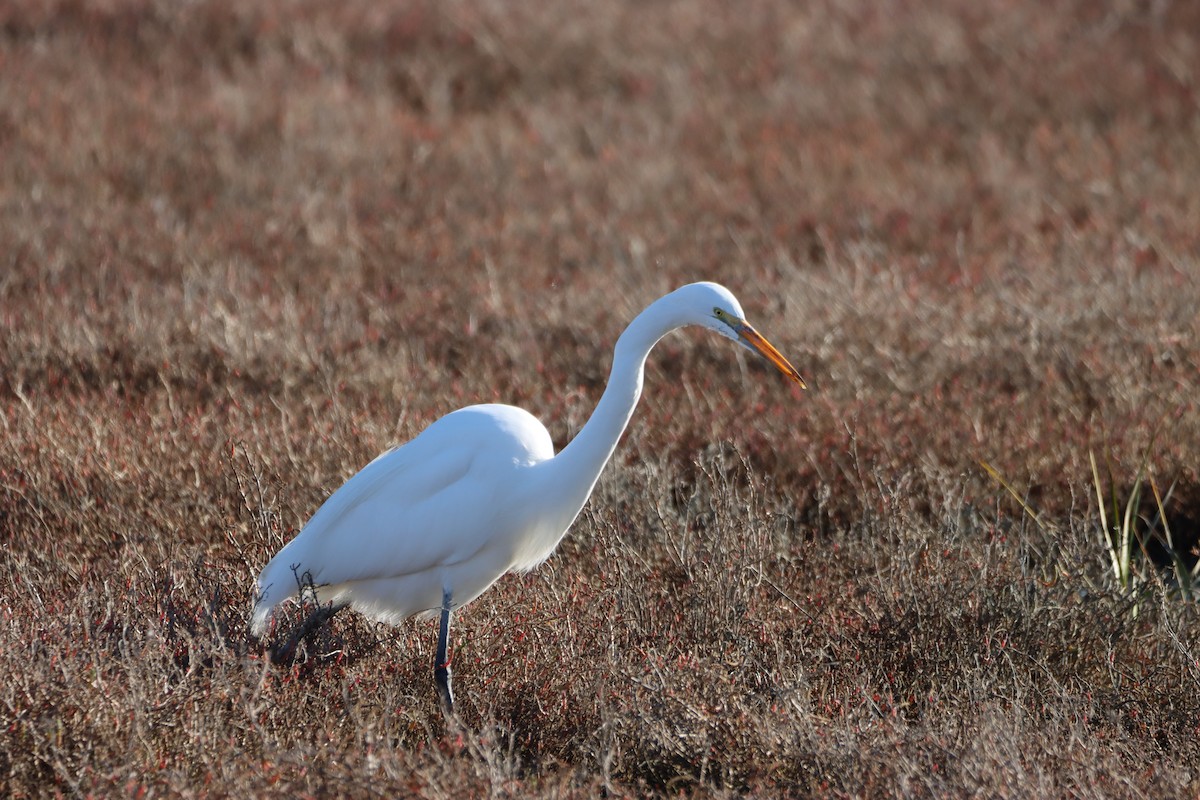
<point x="284" y="653"/>
<point x="441" y="662"/>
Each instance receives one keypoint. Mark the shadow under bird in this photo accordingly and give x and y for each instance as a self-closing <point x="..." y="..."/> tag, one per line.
<point x="426" y="527"/>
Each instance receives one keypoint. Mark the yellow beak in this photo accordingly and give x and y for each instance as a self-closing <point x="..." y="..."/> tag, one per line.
<point x="755" y="339"/>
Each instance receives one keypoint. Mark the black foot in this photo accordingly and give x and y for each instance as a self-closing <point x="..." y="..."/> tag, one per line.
<point x="284" y="653"/>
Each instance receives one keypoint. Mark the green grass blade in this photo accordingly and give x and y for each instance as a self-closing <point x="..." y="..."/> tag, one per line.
<point x="1109" y="542"/>
<point x="990" y="470"/>
<point x="1183" y="576"/>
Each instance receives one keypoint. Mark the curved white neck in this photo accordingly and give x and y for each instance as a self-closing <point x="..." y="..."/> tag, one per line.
<point x="577" y="468"/>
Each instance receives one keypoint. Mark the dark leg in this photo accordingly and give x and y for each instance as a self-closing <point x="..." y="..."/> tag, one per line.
<point x="284" y="653"/>
<point x="441" y="662"/>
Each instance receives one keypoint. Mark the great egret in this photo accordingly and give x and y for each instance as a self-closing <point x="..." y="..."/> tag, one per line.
<point x="428" y="526"/>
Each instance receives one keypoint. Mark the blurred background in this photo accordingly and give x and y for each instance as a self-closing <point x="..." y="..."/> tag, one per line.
<point x="244" y="247"/>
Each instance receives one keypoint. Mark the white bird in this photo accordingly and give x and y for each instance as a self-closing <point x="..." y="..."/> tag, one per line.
<point x="426" y="527"/>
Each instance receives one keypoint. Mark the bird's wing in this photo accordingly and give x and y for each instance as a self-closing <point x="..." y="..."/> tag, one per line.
<point x="433" y="502"/>
<point x="399" y="516"/>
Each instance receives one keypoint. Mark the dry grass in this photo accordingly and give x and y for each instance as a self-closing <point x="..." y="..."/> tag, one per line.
<point x="245" y="247"/>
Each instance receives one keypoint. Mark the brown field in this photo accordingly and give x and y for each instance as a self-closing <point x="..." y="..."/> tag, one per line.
<point x="244" y="247"/>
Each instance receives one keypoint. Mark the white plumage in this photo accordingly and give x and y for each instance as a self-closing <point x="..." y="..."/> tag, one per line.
<point x="410" y="522"/>
<point x="428" y="526"/>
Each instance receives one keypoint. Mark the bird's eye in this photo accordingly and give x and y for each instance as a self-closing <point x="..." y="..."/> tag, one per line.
<point x="718" y="313"/>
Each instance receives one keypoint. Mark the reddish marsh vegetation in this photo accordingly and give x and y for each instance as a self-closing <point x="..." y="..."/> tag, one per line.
<point x="245" y="247"/>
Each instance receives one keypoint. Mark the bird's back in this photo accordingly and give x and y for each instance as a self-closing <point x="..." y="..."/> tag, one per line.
<point x="415" y="515"/>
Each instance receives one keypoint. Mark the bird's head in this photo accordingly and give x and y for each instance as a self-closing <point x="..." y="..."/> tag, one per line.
<point x="715" y="307"/>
